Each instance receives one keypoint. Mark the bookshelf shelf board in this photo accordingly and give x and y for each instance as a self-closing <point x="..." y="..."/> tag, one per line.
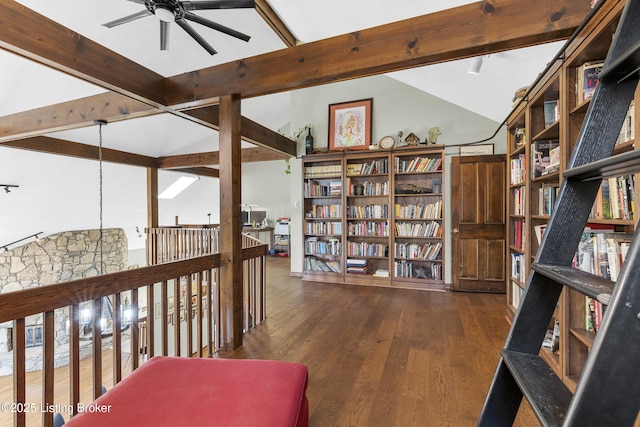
<point x="541" y="217"/>
<point x="624" y="147"/>
<point x="554" y="176"/>
<point x="584" y="336"/>
<point x="338" y="196"/>
<point x="365" y="175"/>
<point x="323" y="235"/>
<point x="417" y="219"/>
<point x="581" y="109"/>
<point x="611" y="221"/>
<point x="513" y="216"/>
<point x="517" y="250"/>
<point x="550" y="132"/>
<point x="367" y="196"/>
<point x="419" y="195"/>
<point x="419" y="173"/>
<point x="518" y="151"/>
<point x="321" y="176"/>
<point x="364" y="236"/>
<point x="418" y="259"/>
<point x="518" y="185"/>
<point x="517" y="282"/>
<point x="552" y="359"/>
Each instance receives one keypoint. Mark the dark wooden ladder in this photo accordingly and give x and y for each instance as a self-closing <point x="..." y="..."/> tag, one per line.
<point x="608" y="392"/>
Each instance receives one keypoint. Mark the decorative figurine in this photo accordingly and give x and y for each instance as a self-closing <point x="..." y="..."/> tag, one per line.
<point x="412" y="139"/>
<point x="433" y="135"/>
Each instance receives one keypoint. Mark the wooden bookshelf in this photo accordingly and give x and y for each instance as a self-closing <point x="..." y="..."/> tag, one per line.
<point x="561" y="82"/>
<point x="388" y="230"/>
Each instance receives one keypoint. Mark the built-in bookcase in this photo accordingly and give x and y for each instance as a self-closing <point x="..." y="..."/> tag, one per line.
<point x="384" y="224"/>
<point x="542" y="131"/>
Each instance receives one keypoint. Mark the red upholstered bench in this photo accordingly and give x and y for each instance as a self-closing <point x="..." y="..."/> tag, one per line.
<point x="177" y="391"/>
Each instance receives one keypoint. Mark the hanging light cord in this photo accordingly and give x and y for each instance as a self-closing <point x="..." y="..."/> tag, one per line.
<point x="100" y="180"/>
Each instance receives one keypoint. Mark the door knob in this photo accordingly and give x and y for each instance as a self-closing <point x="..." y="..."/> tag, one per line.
<point x="455" y="230"/>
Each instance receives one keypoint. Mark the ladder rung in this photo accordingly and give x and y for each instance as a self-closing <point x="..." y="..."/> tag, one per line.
<point x="586" y="283"/>
<point x="624" y="66"/>
<point x="548" y="396"/>
<point x="620" y="164"/>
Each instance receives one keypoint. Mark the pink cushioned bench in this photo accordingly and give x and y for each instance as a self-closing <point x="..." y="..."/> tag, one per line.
<point x="178" y="391"/>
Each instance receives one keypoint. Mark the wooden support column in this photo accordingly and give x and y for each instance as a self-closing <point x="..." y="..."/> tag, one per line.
<point x="230" y="228"/>
<point x="152" y="214"/>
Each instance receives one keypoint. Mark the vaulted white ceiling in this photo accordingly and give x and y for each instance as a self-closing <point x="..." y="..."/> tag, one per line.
<point x="26" y="85"/>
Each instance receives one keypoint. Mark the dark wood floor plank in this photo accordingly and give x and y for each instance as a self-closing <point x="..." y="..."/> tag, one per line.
<point x="380" y="356"/>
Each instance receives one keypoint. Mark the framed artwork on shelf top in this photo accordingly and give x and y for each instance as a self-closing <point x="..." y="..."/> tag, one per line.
<point x="350" y="125"/>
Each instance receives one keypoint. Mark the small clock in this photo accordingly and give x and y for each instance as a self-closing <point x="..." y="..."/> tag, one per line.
<point x="387" y="142"/>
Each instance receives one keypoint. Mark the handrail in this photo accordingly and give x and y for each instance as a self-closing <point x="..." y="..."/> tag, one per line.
<point x="181" y="317"/>
<point x="6" y="247"/>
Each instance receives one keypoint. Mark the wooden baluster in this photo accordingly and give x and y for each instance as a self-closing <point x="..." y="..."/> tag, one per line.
<point x="96" y="317"/>
<point x="176" y="316"/>
<point x="19" y="370"/>
<point x="188" y="306"/>
<point x="199" y="314"/>
<point x="74" y="356"/>
<point x="210" y="313"/>
<point x="48" y="365"/>
<point x="164" y="318"/>
<point x="117" y="338"/>
<point x="150" y="321"/>
<point x="135" y="337"/>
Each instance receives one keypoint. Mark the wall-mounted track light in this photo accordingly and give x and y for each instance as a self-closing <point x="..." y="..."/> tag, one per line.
<point x="8" y="187"/>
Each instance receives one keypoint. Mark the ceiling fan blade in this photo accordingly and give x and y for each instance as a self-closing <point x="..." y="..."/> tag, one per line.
<point x="164" y="35"/>
<point x="218" y="4"/>
<point x="126" y="19"/>
<point x="137" y="1"/>
<point x="197" y="37"/>
<point x="207" y="23"/>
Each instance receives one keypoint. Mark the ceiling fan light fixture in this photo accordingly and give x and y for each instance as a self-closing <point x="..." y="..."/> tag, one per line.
<point x="164" y="13"/>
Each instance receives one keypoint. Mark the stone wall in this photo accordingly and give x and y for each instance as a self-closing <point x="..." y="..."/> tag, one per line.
<point x="58" y="258"/>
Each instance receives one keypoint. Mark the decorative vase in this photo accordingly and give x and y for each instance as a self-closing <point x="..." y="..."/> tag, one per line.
<point x="308" y="143"/>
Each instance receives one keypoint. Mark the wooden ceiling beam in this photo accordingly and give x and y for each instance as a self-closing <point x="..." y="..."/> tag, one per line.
<point x="457" y="33"/>
<point x="33" y="36"/>
<point x="213" y="158"/>
<point x="63" y="147"/>
<point x="113" y="107"/>
<point x="277" y="25"/>
<point x="76" y="114"/>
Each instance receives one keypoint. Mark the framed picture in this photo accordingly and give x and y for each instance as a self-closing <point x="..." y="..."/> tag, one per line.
<point x="350" y="125"/>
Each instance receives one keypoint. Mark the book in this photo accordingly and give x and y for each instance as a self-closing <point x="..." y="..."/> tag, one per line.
<point x="540" y="157"/>
<point x="587" y="80"/>
<point x="551" y="112"/>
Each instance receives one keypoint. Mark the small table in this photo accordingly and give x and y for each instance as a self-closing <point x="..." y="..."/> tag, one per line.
<point x="257" y="230"/>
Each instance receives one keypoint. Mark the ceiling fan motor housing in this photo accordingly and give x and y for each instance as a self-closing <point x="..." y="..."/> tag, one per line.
<point x="166" y="10"/>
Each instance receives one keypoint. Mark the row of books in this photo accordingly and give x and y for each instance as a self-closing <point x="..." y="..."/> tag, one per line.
<point x="541" y="157"/>
<point x="368" y="228"/>
<point x="552" y="337"/>
<point x="519" y="234"/>
<point x="419" y="164"/>
<point x="551" y="112"/>
<point x="426" y="211"/>
<point x="547" y="195"/>
<point x="429" y="251"/>
<point x="323" y="227"/>
<point x="516" y="295"/>
<point x="318" y="171"/>
<point x="593" y="312"/>
<point x="368" y="212"/>
<point x="628" y="129"/>
<point x="518" y="170"/>
<point x="519" y="200"/>
<point x="615" y="199"/>
<point x="313" y="188"/>
<point x="357" y="266"/>
<point x="325" y="211"/>
<point x="315" y="264"/>
<point x="376" y="166"/>
<point x="587" y="80"/>
<point x="411" y="229"/>
<point x="367" y="249"/>
<point x="602" y="253"/>
<point x="368" y="188"/>
<point x="323" y="247"/>
<point x="517" y="267"/>
<point x="409" y="269"/>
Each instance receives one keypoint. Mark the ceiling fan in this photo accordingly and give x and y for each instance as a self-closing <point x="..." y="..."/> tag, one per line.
<point x="168" y="11"/>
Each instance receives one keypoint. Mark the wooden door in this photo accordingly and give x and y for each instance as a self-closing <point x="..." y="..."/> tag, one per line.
<point x="478" y="224"/>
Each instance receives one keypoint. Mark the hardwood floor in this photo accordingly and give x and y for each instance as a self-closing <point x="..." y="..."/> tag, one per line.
<point x="376" y="356"/>
<point x="383" y="357"/>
